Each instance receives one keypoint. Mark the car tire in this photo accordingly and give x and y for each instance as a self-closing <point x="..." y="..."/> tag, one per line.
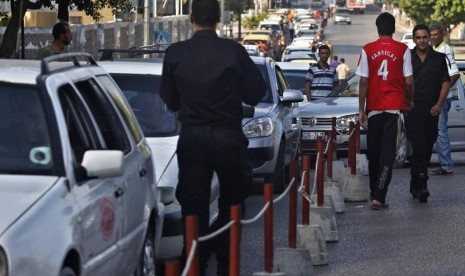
<point x="279" y="177"/>
<point x="67" y="271"/>
<point x="402" y="145"/>
<point x="147" y="264"/>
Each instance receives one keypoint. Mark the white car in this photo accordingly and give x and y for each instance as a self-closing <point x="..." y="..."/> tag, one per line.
<point x="407" y="39"/>
<point x="342" y="17"/>
<point x="140" y="82"/>
<point x="77" y="189"/>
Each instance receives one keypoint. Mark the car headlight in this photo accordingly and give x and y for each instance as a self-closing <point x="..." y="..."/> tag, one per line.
<point x="259" y="127"/>
<point x="166" y="195"/>
<point x="343" y="122"/>
<point x="3" y="263"/>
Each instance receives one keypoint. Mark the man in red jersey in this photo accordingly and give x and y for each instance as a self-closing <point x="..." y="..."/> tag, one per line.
<point x="386" y="90"/>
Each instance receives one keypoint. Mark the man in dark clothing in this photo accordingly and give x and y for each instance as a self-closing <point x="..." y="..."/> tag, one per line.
<point x="206" y="79"/>
<point x="431" y="85"/>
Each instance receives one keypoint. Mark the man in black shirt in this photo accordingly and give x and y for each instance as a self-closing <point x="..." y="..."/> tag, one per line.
<point x="431" y="85"/>
<point x="206" y="79"/>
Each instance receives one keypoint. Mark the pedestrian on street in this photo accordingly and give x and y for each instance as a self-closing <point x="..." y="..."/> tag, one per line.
<point x="385" y="91"/>
<point x="335" y="62"/>
<point x="62" y="37"/>
<point x="431" y="84"/>
<point x="321" y="79"/>
<point x="443" y="142"/>
<point x="291" y="28"/>
<point x="342" y="71"/>
<point x="205" y="80"/>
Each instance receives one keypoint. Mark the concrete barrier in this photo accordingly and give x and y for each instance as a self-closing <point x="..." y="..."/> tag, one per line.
<point x="312" y="238"/>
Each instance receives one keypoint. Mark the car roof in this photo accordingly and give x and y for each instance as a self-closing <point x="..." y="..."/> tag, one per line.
<point x="259" y="60"/>
<point x="256" y="37"/>
<point x="132" y="67"/>
<point x="19" y="71"/>
<point x="293" y="66"/>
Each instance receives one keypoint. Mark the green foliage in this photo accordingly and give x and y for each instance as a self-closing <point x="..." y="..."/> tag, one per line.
<point x="251" y="22"/>
<point x="447" y="12"/>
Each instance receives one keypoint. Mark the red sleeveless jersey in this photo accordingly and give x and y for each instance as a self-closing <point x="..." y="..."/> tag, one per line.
<point x="386" y="80"/>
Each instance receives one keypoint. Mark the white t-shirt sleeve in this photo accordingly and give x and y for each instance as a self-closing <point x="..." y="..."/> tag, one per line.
<point x="362" y="69"/>
<point x="451" y="64"/>
<point x="408" y="71"/>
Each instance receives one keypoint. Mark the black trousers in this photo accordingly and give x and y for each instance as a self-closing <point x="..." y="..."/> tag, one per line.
<point x="201" y="151"/>
<point x="381" y="152"/>
<point x="422" y="131"/>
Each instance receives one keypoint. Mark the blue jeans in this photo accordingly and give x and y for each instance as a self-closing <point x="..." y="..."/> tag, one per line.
<point x="443" y="142"/>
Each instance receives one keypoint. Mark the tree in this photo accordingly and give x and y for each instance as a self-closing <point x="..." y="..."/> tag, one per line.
<point x="20" y="7"/>
<point x="447" y="12"/>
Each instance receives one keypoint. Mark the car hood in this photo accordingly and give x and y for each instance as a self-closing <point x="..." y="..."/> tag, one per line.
<point x="18" y="193"/>
<point x="261" y="109"/>
<point x="329" y="107"/>
<point x="163" y="151"/>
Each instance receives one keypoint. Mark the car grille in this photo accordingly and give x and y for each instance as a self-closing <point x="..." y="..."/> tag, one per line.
<point x="322" y="124"/>
<point x="319" y="122"/>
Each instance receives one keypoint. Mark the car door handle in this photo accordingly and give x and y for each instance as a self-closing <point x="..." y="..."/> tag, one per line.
<point x="143" y="172"/>
<point x="119" y="192"/>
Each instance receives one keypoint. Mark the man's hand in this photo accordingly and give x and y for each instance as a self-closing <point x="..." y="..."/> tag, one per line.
<point x="363" y="119"/>
<point x="410" y="105"/>
<point x="435" y="110"/>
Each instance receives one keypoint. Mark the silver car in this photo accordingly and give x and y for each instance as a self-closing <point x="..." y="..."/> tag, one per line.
<point x="274" y="131"/>
<point x="77" y="189"/>
<point x="140" y="82"/>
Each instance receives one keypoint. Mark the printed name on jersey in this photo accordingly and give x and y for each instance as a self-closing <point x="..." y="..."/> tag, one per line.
<point x="384" y="53"/>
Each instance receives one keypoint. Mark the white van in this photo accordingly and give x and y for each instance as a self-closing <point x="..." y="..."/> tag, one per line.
<point x="271" y="25"/>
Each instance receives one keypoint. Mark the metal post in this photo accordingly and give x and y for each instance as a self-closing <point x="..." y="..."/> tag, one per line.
<point x="235" y="241"/>
<point x="320" y="173"/>
<point x="305" y="203"/>
<point x="293" y="172"/>
<point x="268" y="195"/>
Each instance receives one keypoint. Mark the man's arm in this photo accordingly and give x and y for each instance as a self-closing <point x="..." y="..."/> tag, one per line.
<point x="308" y="91"/>
<point x="409" y="92"/>
<point x="436" y="109"/>
<point x="362" y="95"/>
<point x="168" y="91"/>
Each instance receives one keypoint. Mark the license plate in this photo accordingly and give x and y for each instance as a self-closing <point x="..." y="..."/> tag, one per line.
<point x="312" y="135"/>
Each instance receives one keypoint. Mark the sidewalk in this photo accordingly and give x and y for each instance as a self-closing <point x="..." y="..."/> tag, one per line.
<point x="410" y="238"/>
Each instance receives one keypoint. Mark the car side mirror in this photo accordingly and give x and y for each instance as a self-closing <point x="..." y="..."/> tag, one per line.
<point x="248" y="111"/>
<point x="292" y="96"/>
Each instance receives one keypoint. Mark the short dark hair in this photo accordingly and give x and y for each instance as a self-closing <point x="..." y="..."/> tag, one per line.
<point x="58" y="29"/>
<point x="342" y="60"/>
<point x="421" y="26"/>
<point x="206" y="12"/>
<point x="324" y="46"/>
<point x="335" y="57"/>
<point x="386" y="24"/>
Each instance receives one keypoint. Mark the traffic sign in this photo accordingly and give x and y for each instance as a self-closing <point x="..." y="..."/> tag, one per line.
<point x="161" y="37"/>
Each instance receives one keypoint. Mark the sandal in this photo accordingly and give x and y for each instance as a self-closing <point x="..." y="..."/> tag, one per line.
<point x="441" y="171"/>
<point x="376" y="205"/>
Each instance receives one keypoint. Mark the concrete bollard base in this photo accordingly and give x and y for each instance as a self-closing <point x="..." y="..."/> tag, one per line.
<point x="311" y="238"/>
<point x="332" y="189"/>
<point x="361" y="164"/>
<point x="344" y="174"/>
<point x="326" y="218"/>
<point x="264" y="273"/>
<point x="337" y="166"/>
<point x="293" y="261"/>
<point x="355" y="188"/>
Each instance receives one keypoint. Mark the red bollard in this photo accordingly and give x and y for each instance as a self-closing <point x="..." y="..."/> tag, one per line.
<point x="320" y="173"/>
<point x="329" y="155"/>
<point x="305" y="203"/>
<point x="351" y="157"/>
<point x="172" y="268"/>
<point x="293" y="172"/>
<point x="235" y="241"/>
<point x="357" y="139"/>
<point x="268" y="196"/>
<point x="192" y="233"/>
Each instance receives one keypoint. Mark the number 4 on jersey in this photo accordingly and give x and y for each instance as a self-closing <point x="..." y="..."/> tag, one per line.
<point x="383" y="69"/>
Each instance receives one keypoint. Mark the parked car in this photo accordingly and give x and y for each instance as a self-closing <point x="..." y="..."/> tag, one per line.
<point x="299" y="49"/>
<point x="77" y="188"/>
<point x="295" y="74"/>
<point x="140" y="80"/>
<point x="271" y="25"/>
<point x="274" y="131"/>
<point x="407" y="39"/>
<point x="255" y="39"/>
<point x="301" y="57"/>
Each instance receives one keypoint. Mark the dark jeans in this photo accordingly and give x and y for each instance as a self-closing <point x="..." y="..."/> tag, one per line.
<point x="381" y="152"/>
<point x="201" y="151"/>
<point x="422" y="131"/>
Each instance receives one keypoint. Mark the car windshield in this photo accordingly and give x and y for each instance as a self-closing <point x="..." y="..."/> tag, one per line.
<point x="348" y="88"/>
<point x="268" y="98"/>
<point x="142" y="93"/>
<point x="25" y="146"/>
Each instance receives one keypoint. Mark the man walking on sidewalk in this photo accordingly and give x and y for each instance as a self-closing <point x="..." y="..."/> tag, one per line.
<point x="431" y="83"/>
<point x="443" y="142"/>
<point x="385" y="91"/>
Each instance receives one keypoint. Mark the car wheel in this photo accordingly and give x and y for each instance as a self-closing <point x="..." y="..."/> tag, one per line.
<point x="402" y="145"/>
<point x="146" y="265"/>
<point x="279" y="178"/>
<point x="67" y="271"/>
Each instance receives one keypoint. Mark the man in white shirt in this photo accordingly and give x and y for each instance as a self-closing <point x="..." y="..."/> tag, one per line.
<point x="342" y="70"/>
<point x="443" y="142"/>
